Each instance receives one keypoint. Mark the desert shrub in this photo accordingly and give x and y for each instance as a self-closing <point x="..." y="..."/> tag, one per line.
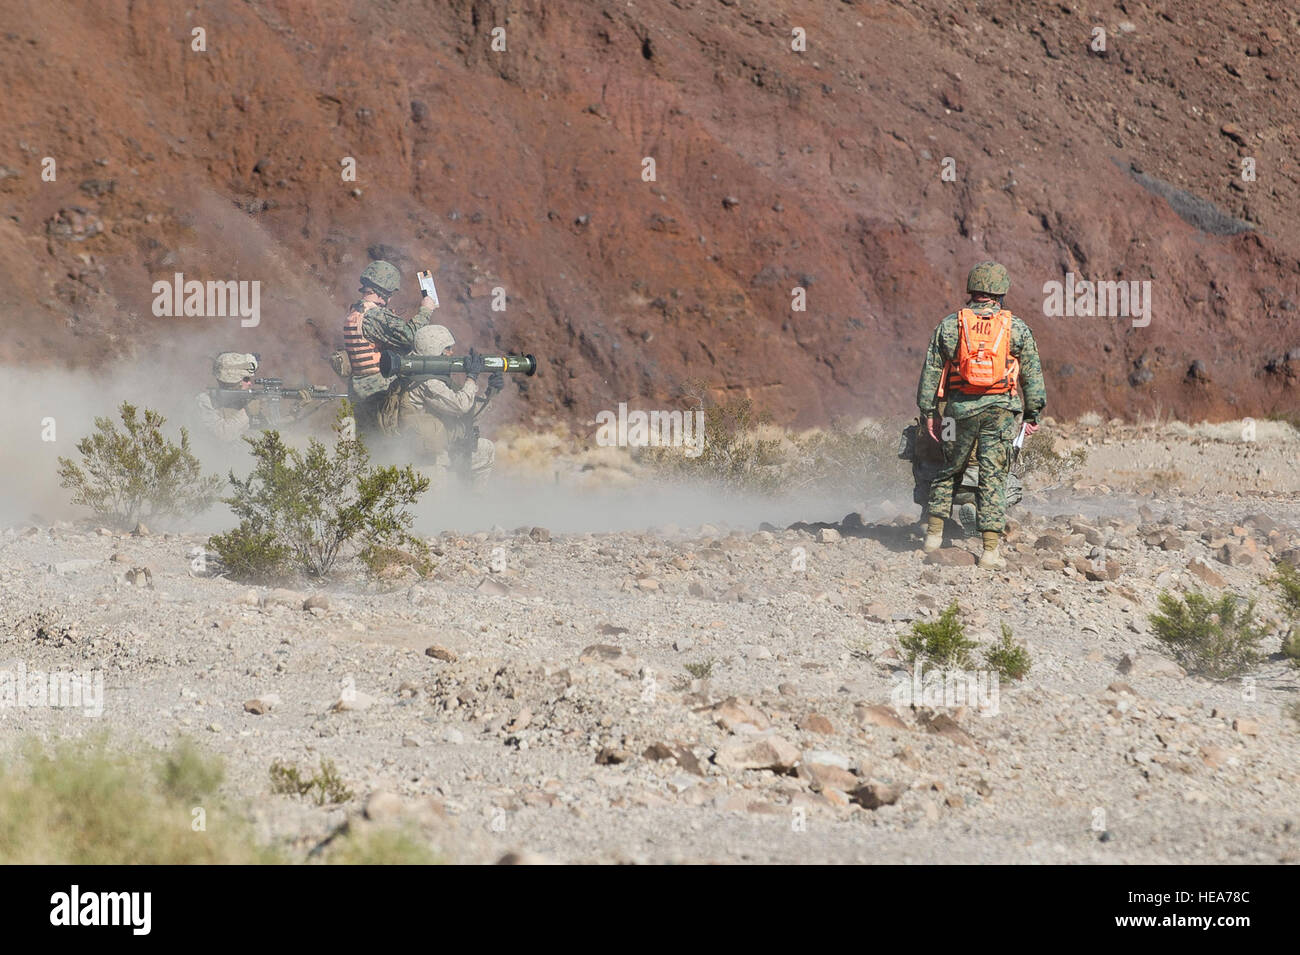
<point x="1286" y="581"/>
<point x="1008" y="658"/>
<point x="1039" y="459"/>
<point x="701" y="670"/>
<point x="942" y="642"/>
<point x="137" y="474"/>
<point x="301" y="509"/>
<point x="85" y="803"/>
<point x="735" y="453"/>
<point x="835" y="458"/>
<point x="743" y="451"/>
<point x="1215" y="638"/>
<point x="187" y="773"/>
<point x="380" y="845"/>
<point x="324" y="786"/>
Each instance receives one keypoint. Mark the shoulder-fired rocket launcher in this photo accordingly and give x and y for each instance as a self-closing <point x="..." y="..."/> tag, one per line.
<point x="411" y="366"/>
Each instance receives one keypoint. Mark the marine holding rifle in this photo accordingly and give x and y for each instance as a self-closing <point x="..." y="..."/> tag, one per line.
<point x="241" y="402"/>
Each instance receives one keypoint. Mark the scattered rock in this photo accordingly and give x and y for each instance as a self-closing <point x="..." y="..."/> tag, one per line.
<point x="873" y="795"/>
<point x="731" y="713"/>
<point x="880" y="715"/>
<point x="816" y="723"/>
<point x="540" y="534"/>
<point x="769" y="752"/>
<point x="440" y="653"/>
<point x="384" y="806"/>
<point x="316" y="602"/>
<point x="1205" y="573"/>
<point x="951" y="557"/>
<point x="603" y="653"/>
<point x="492" y="587"/>
<point x="1145" y="664"/>
<point x="280" y="597"/>
<point x="1246" y="727"/>
<point x="828" y="535"/>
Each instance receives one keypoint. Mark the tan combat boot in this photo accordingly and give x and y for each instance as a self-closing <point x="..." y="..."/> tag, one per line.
<point x="991" y="559"/>
<point x="933" y="534"/>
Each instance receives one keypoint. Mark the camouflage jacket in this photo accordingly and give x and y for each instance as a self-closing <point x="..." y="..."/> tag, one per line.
<point x="387" y="329"/>
<point x="943" y="348"/>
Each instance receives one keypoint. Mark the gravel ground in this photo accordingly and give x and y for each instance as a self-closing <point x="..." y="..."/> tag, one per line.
<point x="533" y="697"/>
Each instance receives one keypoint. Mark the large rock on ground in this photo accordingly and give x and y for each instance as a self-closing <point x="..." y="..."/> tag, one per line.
<point x="769" y="752"/>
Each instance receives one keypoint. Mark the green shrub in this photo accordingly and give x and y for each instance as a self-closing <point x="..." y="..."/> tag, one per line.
<point x="701" y="670"/>
<point x="1039" y="459"/>
<point x="84" y="803"/>
<point x="836" y="458"/>
<point x="1009" y="659"/>
<point x="137" y="474"/>
<point x="186" y="773"/>
<point x="735" y="454"/>
<point x="743" y="451"/>
<point x="1215" y="638"/>
<point x="1287" y="583"/>
<point x="301" y="509"/>
<point x="325" y="786"/>
<point x="942" y="643"/>
<point x="380" y="845"/>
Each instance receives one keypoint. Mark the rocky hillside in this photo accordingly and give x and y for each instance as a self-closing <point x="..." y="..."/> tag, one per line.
<point x="523" y="169"/>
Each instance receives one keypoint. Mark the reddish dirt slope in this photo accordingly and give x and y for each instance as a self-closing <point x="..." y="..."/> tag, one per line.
<point x="774" y="168"/>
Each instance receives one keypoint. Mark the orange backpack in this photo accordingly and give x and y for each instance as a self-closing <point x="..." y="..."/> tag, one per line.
<point x="983" y="364"/>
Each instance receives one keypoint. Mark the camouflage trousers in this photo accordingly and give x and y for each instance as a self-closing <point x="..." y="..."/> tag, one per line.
<point x="989" y="434"/>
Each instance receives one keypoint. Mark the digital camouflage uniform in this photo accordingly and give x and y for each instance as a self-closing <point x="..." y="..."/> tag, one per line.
<point x="380" y="329"/>
<point x="986" y="424"/>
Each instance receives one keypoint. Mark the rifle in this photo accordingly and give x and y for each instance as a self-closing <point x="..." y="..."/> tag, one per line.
<point x="269" y="392"/>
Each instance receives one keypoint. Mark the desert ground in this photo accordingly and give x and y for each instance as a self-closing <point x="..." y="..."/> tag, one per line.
<point x="531" y="700"/>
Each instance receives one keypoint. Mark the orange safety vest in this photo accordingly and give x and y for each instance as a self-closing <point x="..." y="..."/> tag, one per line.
<point x="983" y="364"/>
<point x="363" y="354"/>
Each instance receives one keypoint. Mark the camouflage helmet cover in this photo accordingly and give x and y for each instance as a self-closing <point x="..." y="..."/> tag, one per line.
<point x="432" y="339"/>
<point x="230" y="368"/>
<point x="382" y="276"/>
<point x="990" y="278"/>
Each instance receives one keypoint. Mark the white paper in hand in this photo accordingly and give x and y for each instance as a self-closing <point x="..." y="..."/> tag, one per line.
<point x="426" y="283"/>
<point x="1020" y="439"/>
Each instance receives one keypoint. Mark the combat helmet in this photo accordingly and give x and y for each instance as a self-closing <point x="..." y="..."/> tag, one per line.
<point x="230" y="367"/>
<point x="432" y="339"/>
<point x="382" y="276"/>
<point x="990" y="278"/>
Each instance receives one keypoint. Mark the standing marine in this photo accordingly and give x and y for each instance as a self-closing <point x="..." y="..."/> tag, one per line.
<point x="369" y="328"/>
<point x="982" y="377"/>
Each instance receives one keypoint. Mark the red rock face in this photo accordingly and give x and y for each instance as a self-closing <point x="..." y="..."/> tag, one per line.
<point x="773" y="169"/>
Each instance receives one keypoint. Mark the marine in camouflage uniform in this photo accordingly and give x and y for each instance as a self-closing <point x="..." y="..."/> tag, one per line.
<point x="435" y="418"/>
<point x="227" y="412"/>
<point x="985" y="424"/>
<point x="370" y="326"/>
